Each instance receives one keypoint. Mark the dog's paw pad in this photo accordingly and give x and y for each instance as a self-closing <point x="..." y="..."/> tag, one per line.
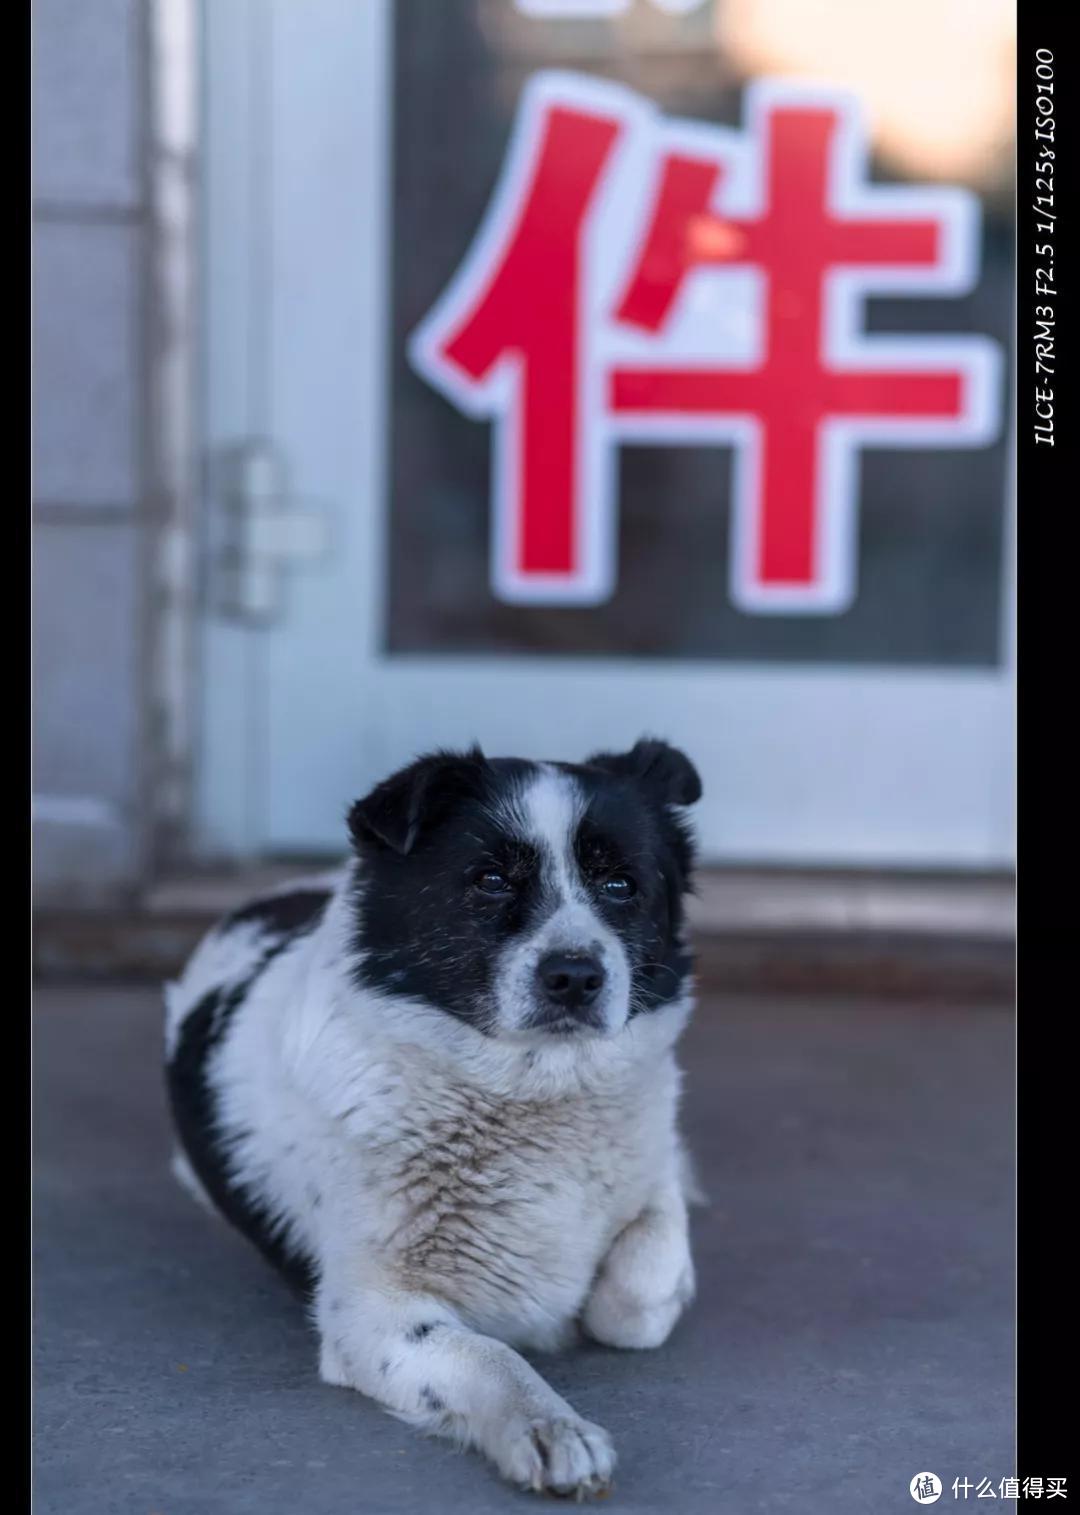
<point x="560" y="1456"/>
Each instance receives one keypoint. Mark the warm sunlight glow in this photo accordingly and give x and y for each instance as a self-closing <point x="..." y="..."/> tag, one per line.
<point x="935" y="75"/>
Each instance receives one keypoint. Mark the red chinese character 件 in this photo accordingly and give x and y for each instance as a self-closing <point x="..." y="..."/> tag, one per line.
<point x="644" y="279"/>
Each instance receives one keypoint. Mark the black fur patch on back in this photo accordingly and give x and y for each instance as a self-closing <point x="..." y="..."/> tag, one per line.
<point x="194" y="1105"/>
<point x="282" y="914"/>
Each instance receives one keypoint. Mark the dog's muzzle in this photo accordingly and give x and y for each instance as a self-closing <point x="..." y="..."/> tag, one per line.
<point x="568" y="985"/>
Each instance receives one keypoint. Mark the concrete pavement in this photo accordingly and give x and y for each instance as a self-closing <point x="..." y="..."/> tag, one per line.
<point x="853" y="1328"/>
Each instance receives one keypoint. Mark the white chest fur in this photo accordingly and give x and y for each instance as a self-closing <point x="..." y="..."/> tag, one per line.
<point x="505" y="1207"/>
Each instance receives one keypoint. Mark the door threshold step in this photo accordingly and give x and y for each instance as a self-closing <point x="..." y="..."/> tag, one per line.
<point x="949" y="937"/>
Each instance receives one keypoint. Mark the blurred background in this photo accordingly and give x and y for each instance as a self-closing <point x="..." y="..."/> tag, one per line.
<point x="332" y="302"/>
<point x="263" y="570"/>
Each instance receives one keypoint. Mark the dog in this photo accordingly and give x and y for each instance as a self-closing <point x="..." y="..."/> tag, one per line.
<point x="438" y="1089"/>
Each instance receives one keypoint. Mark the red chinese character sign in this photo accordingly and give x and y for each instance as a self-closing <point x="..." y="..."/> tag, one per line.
<point x="643" y="279"/>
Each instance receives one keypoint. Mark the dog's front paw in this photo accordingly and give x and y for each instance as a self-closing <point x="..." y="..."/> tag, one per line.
<point x="333" y="1369"/>
<point x="646" y="1282"/>
<point x="562" y="1454"/>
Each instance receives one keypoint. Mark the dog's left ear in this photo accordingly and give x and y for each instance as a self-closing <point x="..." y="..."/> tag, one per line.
<point x="664" y="771"/>
<point x="396" y="811"/>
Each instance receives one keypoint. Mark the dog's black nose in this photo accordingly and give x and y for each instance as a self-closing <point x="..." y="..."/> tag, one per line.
<point x="569" y="980"/>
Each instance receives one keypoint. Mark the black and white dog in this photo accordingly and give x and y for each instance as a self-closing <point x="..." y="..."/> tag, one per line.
<point x="438" y="1089"/>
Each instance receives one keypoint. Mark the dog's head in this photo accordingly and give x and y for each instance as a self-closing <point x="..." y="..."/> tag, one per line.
<point x="528" y="899"/>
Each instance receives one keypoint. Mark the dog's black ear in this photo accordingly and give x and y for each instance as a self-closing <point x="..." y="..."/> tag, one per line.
<point x="397" y="810"/>
<point x="667" y="773"/>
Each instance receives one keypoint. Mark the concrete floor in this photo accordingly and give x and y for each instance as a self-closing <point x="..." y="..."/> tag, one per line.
<point x="853" y="1328"/>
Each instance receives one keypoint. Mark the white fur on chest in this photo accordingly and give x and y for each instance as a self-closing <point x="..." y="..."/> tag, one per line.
<point x="505" y="1206"/>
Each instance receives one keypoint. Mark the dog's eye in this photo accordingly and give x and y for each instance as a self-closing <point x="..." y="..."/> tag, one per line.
<point x="491" y="881"/>
<point x="618" y="887"/>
